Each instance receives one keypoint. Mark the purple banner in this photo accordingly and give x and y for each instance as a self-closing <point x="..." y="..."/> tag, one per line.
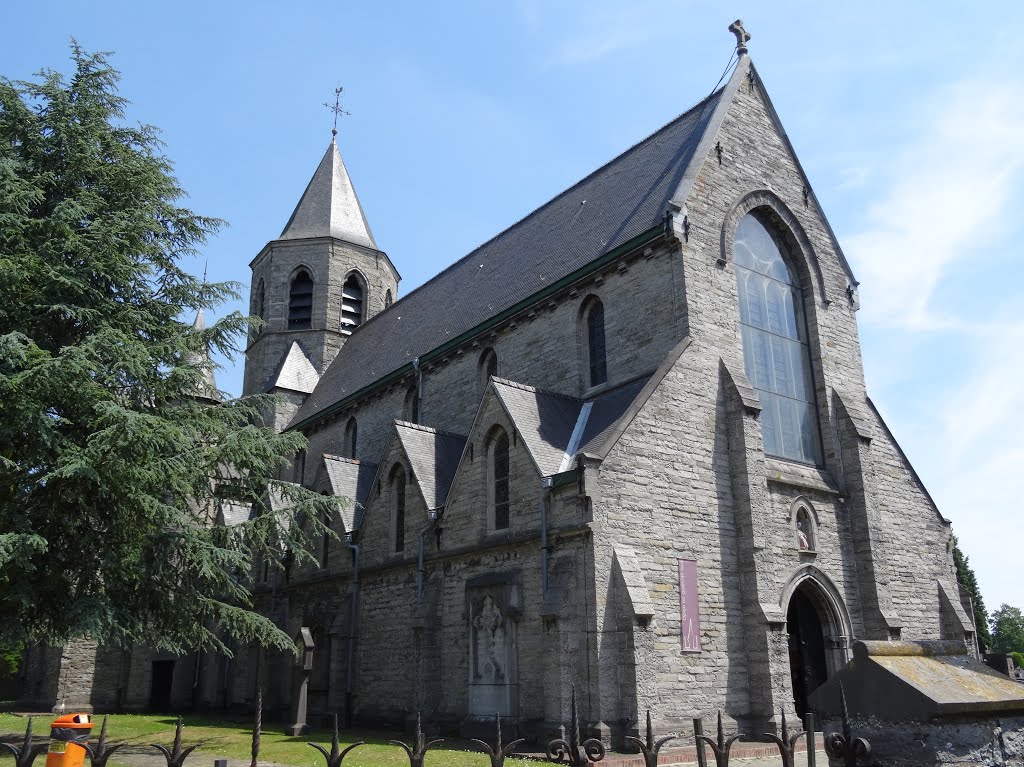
<point x="689" y="609"/>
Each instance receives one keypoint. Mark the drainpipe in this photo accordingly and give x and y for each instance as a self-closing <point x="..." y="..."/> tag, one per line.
<point x="353" y="618"/>
<point x="545" y="483"/>
<point x="419" y="580"/>
<point x="419" y="386"/>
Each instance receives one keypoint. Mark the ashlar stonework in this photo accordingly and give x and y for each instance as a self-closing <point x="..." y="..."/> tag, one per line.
<point x="532" y="441"/>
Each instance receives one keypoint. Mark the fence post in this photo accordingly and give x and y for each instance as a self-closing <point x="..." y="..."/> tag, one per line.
<point x="811" y="746"/>
<point x="698" y="729"/>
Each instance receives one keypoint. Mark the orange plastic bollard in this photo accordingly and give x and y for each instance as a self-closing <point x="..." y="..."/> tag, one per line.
<point x="68" y="736"/>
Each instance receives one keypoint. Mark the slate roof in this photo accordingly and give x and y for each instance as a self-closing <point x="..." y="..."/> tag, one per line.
<point x="618" y="202"/>
<point x="297" y="372"/>
<point x="329" y="207"/>
<point x="605" y="412"/>
<point x="231" y="512"/>
<point x="350" y="479"/>
<point x="547" y="421"/>
<point x="434" y="456"/>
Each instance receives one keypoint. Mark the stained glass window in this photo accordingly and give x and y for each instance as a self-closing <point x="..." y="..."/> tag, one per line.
<point x="775" y="351"/>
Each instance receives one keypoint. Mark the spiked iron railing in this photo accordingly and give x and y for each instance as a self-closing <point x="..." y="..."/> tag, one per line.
<point x="101" y="752"/>
<point x="176" y="755"/>
<point x="336" y="755"/>
<point x="24" y="756"/>
<point x="575" y="752"/>
<point x="722" y="746"/>
<point x="786" y="743"/>
<point x="844" y="746"/>
<point x="572" y="751"/>
<point x="500" y="751"/>
<point x="257" y="726"/>
<point x="650" y="747"/>
<point x="420" y="746"/>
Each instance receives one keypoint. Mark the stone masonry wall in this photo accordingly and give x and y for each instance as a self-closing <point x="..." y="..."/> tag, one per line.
<point x="669" y="486"/>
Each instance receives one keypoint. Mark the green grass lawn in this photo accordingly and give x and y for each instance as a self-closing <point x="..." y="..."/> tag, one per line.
<point x="233" y="740"/>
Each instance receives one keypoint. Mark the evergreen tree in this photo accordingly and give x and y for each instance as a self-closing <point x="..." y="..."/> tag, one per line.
<point x="1008" y="629"/>
<point x="968" y="580"/>
<point x="111" y="468"/>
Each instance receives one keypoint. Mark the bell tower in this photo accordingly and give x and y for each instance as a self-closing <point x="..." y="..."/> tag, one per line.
<point x="314" y="286"/>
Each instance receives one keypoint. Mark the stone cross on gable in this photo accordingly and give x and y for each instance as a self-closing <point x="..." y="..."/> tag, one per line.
<point x="742" y="36"/>
<point x="336" y="108"/>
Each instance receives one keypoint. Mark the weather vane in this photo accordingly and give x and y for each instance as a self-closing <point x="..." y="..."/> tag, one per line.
<point x="336" y="108"/>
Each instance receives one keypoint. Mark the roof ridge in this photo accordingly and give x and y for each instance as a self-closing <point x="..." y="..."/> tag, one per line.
<point x="621" y="385"/>
<point x="343" y="459"/>
<point x="428" y="429"/>
<point x="535" y="389"/>
<point x="671" y="123"/>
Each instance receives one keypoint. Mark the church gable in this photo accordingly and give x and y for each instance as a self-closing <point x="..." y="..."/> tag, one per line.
<point x="497" y="484"/>
<point x="349" y="479"/>
<point x="434" y="457"/>
<point x="395" y="510"/>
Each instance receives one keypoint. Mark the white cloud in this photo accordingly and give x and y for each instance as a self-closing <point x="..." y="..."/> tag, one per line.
<point x="588" y="33"/>
<point x="945" y="198"/>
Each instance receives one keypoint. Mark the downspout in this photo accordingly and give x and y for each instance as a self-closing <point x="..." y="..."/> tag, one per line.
<point x="352" y="620"/>
<point x="419" y="386"/>
<point x="419" y="578"/>
<point x="545" y="497"/>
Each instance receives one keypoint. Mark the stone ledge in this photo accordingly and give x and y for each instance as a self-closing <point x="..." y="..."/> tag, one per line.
<point x="799" y="475"/>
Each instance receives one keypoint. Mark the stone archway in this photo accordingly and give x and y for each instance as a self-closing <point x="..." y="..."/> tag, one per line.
<point x="807" y="667"/>
<point x="819" y="633"/>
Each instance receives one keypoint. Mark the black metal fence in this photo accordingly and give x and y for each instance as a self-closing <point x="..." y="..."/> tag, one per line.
<point x="571" y="750"/>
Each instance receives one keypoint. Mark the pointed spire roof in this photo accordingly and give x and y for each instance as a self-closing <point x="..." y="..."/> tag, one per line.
<point x="329" y="207"/>
<point x="208" y="389"/>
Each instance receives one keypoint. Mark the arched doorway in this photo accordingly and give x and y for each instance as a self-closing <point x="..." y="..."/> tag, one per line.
<point x="807" y="664"/>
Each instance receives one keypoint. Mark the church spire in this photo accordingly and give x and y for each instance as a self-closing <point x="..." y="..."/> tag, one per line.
<point x="208" y="387"/>
<point x="329" y="207"/>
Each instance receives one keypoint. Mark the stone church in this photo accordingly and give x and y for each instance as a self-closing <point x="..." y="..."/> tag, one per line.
<point x="622" y="448"/>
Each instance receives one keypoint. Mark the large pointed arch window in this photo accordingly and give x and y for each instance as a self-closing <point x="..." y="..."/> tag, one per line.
<point x="352" y="298"/>
<point x="300" y="301"/>
<point x="775" y="350"/>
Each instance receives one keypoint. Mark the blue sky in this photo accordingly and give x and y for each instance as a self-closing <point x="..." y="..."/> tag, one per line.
<point x="465" y="116"/>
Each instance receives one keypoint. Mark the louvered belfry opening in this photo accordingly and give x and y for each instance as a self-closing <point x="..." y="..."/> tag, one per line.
<point x="300" y="302"/>
<point x="351" y="304"/>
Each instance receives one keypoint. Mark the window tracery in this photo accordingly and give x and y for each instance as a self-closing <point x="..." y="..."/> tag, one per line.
<point x="775" y="349"/>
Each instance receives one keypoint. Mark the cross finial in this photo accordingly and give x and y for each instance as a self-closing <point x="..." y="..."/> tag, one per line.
<point x="742" y="36"/>
<point x="336" y="108"/>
